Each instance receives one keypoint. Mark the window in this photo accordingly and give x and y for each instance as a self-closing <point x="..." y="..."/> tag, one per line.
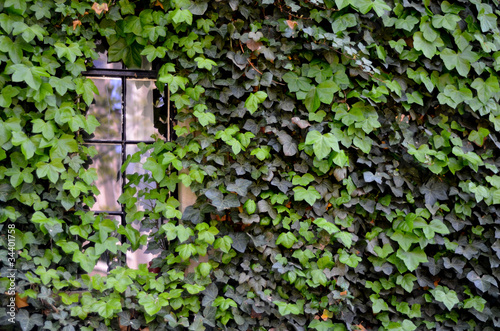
<point x="131" y="111"/>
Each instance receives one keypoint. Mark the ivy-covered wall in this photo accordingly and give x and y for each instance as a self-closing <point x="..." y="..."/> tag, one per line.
<point x="345" y="156"/>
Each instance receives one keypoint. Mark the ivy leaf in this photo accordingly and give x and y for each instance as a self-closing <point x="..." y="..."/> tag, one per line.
<point x="286" y="239"/>
<point x="240" y="186"/>
<point x="181" y="16"/>
<point x="297" y="83"/>
<point x="27" y="321"/>
<point x="30" y="75"/>
<point x="204" y="117"/>
<point x="62" y="85"/>
<point x="323" y="93"/>
<point x="322" y="144"/>
<point x="448" y="297"/>
<point x="343" y="22"/>
<point x="461" y="61"/>
<point x="434" y="190"/>
<point x="413" y="258"/>
<point x="325" y="225"/>
<point x="253" y="101"/>
<point x="86" y="88"/>
<point x="427" y="47"/>
<point x="486" y="90"/>
<point x="204" y="63"/>
<point x="129" y="54"/>
<point x="222" y="202"/>
<point x="310" y="195"/>
<point x="70" y="52"/>
<point x="406" y="282"/>
<point x="62" y="146"/>
<point x="448" y="21"/>
<point x="406" y="23"/>
<point x="475" y="302"/>
<point x="152" y="52"/>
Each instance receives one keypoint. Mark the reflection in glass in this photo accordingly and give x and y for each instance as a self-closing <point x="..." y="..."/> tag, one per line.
<point x="107" y="163"/>
<point x="107" y="108"/>
<point x="140" y="118"/>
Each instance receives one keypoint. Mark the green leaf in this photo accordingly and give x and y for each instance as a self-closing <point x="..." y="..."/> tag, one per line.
<point x="286" y="239"/>
<point x="384" y="251"/>
<point x="297" y="83"/>
<point x="204" y="117"/>
<point x="224" y="244"/>
<point x="378" y="304"/>
<point x="406" y="282"/>
<point x="413" y="258"/>
<point x="475" y="302"/>
<point x="253" y="101"/>
<point x="152" y="52"/>
<point x="204" y="63"/>
<point x="325" y="225"/>
<point x="86" y="88"/>
<point x="448" y="21"/>
<point x="310" y="195"/>
<point x="343" y="22"/>
<point x="182" y="16"/>
<point x="261" y="153"/>
<point x="157" y="170"/>
<point x="70" y="52"/>
<point x="446" y="296"/>
<point x="486" y="90"/>
<point x="130" y="54"/>
<point x="427" y="47"/>
<point x="323" y="145"/>
<point x="62" y="146"/>
<point x="461" y="61"/>
<point x="30" y="75"/>
<point x="407" y="23"/>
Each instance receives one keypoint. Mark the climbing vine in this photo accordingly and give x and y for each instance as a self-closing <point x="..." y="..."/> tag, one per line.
<point x="344" y="154"/>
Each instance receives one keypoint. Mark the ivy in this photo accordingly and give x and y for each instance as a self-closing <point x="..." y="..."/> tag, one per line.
<point x="344" y="155"/>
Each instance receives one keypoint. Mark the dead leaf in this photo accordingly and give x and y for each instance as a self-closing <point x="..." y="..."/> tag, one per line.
<point x="291" y="24"/>
<point x="76" y="23"/>
<point x="360" y="327"/>
<point x="99" y="8"/>
<point x="21" y="302"/>
<point x="300" y="123"/>
<point x="326" y="315"/>
<point x="253" y="45"/>
<point x="159" y="4"/>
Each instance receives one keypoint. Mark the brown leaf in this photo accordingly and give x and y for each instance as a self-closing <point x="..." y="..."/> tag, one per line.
<point x="76" y="23"/>
<point x="159" y="4"/>
<point x="300" y="123"/>
<point x="253" y="45"/>
<point x="291" y="24"/>
<point x="99" y="8"/>
<point x="326" y="315"/>
<point x="21" y="302"/>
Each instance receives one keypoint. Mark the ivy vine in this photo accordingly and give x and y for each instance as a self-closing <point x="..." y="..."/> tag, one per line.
<point x="344" y="154"/>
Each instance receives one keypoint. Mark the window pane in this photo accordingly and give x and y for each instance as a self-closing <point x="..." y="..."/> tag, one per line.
<point x="139" y="113"/>
<point x="107" y="108"/>
<point x="107" y="163"/>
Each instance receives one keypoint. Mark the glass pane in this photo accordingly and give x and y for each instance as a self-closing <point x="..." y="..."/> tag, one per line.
<point x="107" y="163"/>
<point x="139" y="112"/>
<point x="107" y="108"/>
<point x="102" y="62"/>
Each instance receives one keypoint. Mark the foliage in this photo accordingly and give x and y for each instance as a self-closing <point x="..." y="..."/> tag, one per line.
<point x="344" y="154"/>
